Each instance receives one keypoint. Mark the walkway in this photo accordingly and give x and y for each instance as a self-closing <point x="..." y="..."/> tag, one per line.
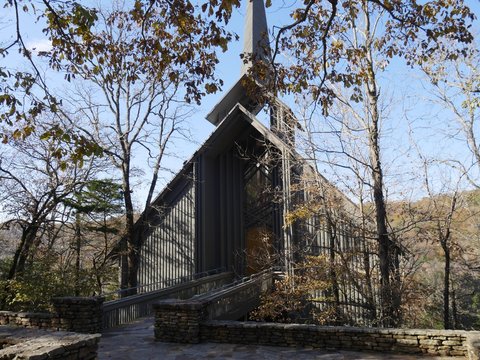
<point x="136" y="342"/>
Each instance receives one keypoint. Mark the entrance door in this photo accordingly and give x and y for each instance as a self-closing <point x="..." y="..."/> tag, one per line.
<point x="258" y="215"/>
<point x="259" y="249"/>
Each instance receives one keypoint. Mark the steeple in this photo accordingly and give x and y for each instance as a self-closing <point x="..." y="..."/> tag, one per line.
<point x="256" y="44"/>
<point x="255" y="37"/>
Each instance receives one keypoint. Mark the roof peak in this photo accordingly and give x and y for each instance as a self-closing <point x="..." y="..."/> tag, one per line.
<point x="255" y="37"/>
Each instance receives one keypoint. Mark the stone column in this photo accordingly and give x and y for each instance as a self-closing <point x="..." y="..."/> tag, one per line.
<point x="78" y="314"/>
<point x="178" y="321"/>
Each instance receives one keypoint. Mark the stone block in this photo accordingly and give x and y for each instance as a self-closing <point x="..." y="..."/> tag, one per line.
<point x="384" y="340"/>
<point x="41" y="344"/>
<point x="451" y="343"/>
<point x="407" y="342"/>
<point x="430" y="342"/>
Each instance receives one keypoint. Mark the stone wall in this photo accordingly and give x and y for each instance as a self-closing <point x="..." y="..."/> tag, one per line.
<point x="77" y="314"/>
<point x="20" y="343"/>
<point x="179" y="321"/>
<point x="427" y="342"/>
<point x="27" y="319"/>
<point x="187" y="322"/>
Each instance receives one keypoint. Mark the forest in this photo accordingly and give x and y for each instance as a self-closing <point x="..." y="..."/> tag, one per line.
<point x="387" y="95"/>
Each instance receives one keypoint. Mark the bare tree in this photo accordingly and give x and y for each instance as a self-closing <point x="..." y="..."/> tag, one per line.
<point x="34" y="184"/>
<point x="456" y="85"/>
<point x="442" y="209"/>
<point x="353" y="148"/>
<point x="131" y="111"/>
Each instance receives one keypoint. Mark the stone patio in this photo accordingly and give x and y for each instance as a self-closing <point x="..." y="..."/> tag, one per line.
<point x="136" y="342"/>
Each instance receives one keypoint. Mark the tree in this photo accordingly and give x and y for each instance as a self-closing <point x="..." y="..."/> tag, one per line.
<point x="335" y="46"/>
<point x="138" y="63"/>
<point x="456" y="87"/>
<point x="127" y="105"/>
<point x="96" y="204"/>
<point x="34" y="185"/>
<point x="355" y="119"/>
<point x="295" y="298"/>
<point x="175" y="32"/>
<point x="442" y="208"/>
<point x="332" y="226"/>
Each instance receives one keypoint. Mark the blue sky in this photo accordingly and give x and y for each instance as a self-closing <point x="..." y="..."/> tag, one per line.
<point x="399" y="83"/>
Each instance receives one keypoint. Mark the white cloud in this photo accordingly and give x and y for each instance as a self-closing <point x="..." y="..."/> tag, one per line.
<point x="39" y="45"/>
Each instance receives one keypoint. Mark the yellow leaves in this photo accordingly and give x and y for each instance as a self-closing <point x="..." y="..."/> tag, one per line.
<point x="183" y="23"/>
<point x="137" y="6"/>
<point x="429" y="11"/>
<point x="471" y="104"/>
<point x="293" y="295"/>
<point x="211" y="88"/>
<point x="388" y="5"/>
<point x="338" y="44"/>
<point x="297" y="14"/>
<point x="17" y="134"/>
<point x="173" y="76"/>
<point x="302" y="212"/>
<point x="69" y="148"/>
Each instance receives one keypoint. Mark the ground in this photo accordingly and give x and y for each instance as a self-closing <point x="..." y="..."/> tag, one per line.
<point x="136" y="341"/>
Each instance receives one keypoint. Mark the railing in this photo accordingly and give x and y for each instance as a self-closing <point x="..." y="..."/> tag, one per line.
<point x="125" y="310"/>
<point x="114" y="295"/>
<point x="235" y="300"/>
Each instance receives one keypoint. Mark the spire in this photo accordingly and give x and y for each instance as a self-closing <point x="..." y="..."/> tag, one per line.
<point x="256" y="40"/>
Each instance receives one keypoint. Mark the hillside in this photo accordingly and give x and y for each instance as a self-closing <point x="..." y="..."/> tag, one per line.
<point x="431" y="230"/>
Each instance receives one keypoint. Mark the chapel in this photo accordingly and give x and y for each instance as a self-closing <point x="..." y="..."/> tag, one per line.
<point x="227" y="208"/>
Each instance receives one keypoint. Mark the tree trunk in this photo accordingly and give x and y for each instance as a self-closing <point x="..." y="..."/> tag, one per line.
<point x="132" y="246"/>
<point x="383" y="238"/>
<point x="395" y="284"/>
<point x="13" y="268"/>
<point x="372" y="310"/>
<point x="333" y="273"/>
<point x="19" y="259"/>
<point x="22" y="252"/>
<point x="387" y="309"/>
<point x="78" y="236"/>
<point x="446" y="288"/>
<point x="454" y="310"/>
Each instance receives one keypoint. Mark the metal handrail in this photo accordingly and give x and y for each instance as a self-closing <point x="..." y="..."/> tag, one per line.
<point x="128" y="308"/>
<point x="246" y="279"/>
<point x="169" y="282"/>
<point x="151" y="295"/>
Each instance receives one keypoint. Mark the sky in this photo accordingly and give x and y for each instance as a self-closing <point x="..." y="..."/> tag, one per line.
<point x="399" y="83"/>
